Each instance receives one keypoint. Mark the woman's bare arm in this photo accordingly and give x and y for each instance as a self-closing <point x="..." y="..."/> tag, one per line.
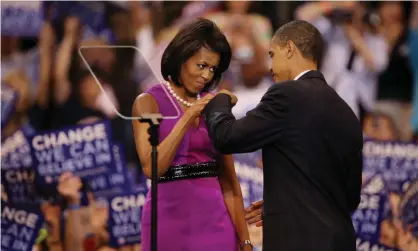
<point x="167" y="149"/>
<point x="231" y="190"/>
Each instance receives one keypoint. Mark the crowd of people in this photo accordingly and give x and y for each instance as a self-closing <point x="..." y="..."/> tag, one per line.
<point x="371" y="60"/>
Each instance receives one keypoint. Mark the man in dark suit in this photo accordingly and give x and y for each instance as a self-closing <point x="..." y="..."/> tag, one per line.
<point x="312" y="148"/>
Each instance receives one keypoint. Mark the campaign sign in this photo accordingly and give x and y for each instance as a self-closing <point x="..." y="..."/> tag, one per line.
<point x="15" y="152"/>
<point x="397" y="162"/>
<point x="91" y="13"/>
<point x="19" y="185"/>
<point x="114" y="182"/>
<point x="8" y="103"/>
<point x="19" y="227"/>
<point x="369" y="214"/>
<point x="84" y="150"/>
<point x="21" y="18"/>
<point x="250" y="176"/>
<point x="18" y="176"/>
<point x="125" y="218"/>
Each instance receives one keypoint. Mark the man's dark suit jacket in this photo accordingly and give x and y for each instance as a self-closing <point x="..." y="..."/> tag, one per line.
<point x="312" y="159"/>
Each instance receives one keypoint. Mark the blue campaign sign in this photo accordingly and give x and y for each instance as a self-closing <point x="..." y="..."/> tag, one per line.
<point x="84" y="150"/>
<point x="125" y="218"/>
<point x="116" y="180"/>
<point x="19" y="227"/>
<point x="369" y="214"/>
<point x="15" y="152"/>
<point x="9" y="98"/>
<point x="250" y="176"/>
<point x="18" y="176"/>
<point x="91" y="13"/>
<point x="396" y="165"/>
<point x="21" y="18"/>
<point x="397" y="162"/>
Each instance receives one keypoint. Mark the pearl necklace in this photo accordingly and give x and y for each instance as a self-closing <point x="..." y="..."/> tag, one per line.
<point x="184" y="102"/>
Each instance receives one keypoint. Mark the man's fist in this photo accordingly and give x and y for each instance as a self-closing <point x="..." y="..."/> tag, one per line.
<point x="234" y="98"/>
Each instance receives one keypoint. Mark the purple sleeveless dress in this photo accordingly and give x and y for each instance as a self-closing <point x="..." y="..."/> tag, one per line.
<point x="192" y="215"/>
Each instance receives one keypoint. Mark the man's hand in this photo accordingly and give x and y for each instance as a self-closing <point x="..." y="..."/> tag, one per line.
<point x="234" y="98"/>
<point x="254" y="212"/>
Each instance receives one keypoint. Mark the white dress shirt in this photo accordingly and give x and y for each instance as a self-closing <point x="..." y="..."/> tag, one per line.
<point x="301" y="74"/>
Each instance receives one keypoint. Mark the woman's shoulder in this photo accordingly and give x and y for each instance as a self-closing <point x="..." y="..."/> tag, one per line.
<point x="151" y="97"/>
<point x="144" y="102"/>
<point x="155" y="90"/>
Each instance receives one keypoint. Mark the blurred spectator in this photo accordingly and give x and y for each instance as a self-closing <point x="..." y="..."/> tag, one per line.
<point x="387" y="233"/>
<point x="53" y="77"/>
<point x="19" y="82"/>
<point x="32" y="93"/>
<point x="249" y="35"/>
<point x="413" y="52"/>
<point x="52" y="214"/>
<point x="76" y="93"/>
<point x="380" y="126"/>
<point x="355" y="54"/>
<point x="145" y="33"/>
<point x="395" y="83"/>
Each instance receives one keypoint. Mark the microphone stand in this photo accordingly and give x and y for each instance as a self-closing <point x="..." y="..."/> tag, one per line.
<point x="153" y="119"/>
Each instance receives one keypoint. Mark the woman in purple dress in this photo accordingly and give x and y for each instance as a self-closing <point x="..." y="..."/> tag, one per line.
<point x="200" y="206"/>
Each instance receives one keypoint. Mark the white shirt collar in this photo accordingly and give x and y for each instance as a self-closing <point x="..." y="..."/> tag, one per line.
<point x="301" y="74"/>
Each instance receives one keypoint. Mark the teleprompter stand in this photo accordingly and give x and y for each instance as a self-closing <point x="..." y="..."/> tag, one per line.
<point x="153" y="119"/>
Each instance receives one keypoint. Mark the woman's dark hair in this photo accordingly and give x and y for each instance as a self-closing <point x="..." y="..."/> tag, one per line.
<point x="188" y="41"/>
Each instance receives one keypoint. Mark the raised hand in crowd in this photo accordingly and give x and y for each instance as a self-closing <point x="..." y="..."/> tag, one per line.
<point x="52" y="214"/>
<point x="405" y="240"/>
<point x="62" y="84"/>
<point x="18" y="81"/>
<point x="249" y="35"/>
<point x="47" y="37"/>
<point x="72" y="27"/>
<point x="239" y="28"/>
<point x="140" y="15"/>
<point x="312" y="11"/>
<point x="47" y="41"/>
<point x="99" y="218"/>
<point x="69" y="187"/>
<point x="78" y="220"/>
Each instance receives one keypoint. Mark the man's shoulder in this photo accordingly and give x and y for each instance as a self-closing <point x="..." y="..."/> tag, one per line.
<point x="284" y="86"/>
<point x="289" y="88"/>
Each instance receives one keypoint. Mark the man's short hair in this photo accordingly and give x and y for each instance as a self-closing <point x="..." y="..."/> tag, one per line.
<point x="304" y="35"/>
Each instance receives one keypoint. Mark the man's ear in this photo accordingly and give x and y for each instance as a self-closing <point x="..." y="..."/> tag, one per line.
<point x="290" y="49"/>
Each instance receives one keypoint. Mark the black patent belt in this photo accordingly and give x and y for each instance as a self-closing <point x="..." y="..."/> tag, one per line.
<point x="191" y="171"/>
